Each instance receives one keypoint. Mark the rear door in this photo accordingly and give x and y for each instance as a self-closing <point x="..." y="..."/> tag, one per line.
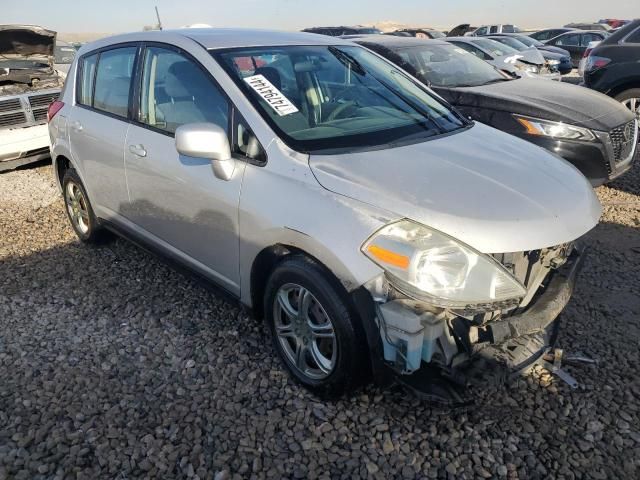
<point x="98" y="125"/>
<point x="176" y="201"/>
<point x="571" y="42"/>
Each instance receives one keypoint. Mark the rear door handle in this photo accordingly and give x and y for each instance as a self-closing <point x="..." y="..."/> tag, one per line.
<point x="138" y="150"/>
<point x="76" y="126"/>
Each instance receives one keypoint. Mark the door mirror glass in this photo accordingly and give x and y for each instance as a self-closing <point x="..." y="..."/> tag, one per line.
<point x="203" y="140"/>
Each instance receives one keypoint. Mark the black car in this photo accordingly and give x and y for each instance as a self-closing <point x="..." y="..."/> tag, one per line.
<point x="584" y="127"/>
<point x="557" y="62"/>
<point x="577" y="42"/>
<point x="339" y="31"/>
<point x="613" y="67"/>
<point x="418" y="33"/>
<point x="549" y="33"/>
<point x="565" y="65"/>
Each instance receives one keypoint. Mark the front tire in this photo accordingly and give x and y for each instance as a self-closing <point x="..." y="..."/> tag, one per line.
<point x="631" y="99"/>
<point x="316" y="334"/>
<point x="79" y="210"/>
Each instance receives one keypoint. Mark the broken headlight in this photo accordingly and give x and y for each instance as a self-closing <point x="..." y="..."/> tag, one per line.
<point x="559" y="130"/>
<point x="430" y="266"/>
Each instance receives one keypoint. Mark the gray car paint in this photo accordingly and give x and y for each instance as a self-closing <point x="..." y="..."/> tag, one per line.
<point x="494" y="191"/>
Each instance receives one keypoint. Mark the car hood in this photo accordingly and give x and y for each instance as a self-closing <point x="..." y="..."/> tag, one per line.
<point x="486" y="188"/>
<point x="555" y="101"/>
<point x="27" y="41"/>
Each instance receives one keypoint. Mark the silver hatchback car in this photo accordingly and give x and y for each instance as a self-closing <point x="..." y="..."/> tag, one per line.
<point x="379" y="233"/>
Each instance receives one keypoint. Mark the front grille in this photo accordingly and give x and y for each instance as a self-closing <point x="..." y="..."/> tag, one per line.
<point x="11" y="119"/>
<point x="40" y="115"/>
<point x="10" y="105"/>
<point x="42" y="101"/>
<point x="623" y="141"/>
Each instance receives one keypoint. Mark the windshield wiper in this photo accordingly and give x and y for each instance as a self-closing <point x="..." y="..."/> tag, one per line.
<point x="348" y="61"/>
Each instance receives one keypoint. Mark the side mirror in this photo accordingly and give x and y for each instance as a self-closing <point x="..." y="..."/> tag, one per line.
<point x="207" y="140"/>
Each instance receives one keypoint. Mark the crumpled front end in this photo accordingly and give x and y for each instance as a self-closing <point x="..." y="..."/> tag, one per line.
<point x="416" y="335"/>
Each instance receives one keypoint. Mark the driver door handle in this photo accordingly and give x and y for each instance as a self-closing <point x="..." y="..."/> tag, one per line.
<point x="138" y="150"/>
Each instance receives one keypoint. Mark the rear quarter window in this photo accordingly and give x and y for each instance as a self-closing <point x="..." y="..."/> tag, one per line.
<point x="86" y="75"/>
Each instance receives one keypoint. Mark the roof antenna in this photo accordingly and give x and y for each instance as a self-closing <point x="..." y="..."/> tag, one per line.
<point x="159" y="21"/>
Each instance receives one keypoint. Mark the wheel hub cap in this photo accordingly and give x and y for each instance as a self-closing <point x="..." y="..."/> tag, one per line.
<point x="305" y="332"/>
<point x="77" y="207"/>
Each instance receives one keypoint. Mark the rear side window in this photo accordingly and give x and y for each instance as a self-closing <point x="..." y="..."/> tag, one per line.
<point x="634" y="37"/>
<point x="87" y="75"/>
<point x="176" y="91"/>
<point x="113" y="80"/>
<point x="587" y="38"/>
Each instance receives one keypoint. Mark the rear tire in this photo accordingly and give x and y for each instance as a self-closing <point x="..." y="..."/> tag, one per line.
<point x="79" y="210"/>
<point x="630" y="99"/>
<point x="316" y="334"/>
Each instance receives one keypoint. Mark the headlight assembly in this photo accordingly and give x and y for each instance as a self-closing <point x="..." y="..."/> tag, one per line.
<point x="527" y="67"/>
<point x="430" y="266"/>
<point x="559" y="130"/>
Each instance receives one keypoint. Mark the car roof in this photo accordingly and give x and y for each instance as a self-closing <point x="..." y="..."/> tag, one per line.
<point x="395" y="42"/>
<point x="219" y="38"/>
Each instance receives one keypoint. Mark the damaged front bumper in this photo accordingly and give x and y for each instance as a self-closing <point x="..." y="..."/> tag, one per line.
<point x="411" y="342"/>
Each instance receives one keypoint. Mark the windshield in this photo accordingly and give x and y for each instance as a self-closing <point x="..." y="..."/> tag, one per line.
<point x="436" y="34"/>
<point x="325" y="98"/>
<point x="529" y="42"/>
<point x="368" y="31"/>
<point x="511" y="42"/>
<point x="449" y="66"/>
<point x="496" y="49"/>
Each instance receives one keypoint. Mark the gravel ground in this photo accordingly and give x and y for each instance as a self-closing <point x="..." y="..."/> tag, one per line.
<point x="112" y="365"/>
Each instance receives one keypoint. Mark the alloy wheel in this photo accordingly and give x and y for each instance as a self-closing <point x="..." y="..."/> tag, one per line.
<point x="633" y="104"/>
<point x="305" y="331"/>
<point x="77" y="207"/>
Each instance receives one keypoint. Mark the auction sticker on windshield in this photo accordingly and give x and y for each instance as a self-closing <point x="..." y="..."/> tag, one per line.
<point x="270" y="94"/>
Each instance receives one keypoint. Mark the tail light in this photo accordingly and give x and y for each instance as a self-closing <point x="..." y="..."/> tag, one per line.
<point x="594" y="63"/>
<point x="54" y="108"/>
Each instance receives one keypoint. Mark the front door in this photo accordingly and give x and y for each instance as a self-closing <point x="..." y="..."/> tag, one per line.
<point x="176" y="200"/>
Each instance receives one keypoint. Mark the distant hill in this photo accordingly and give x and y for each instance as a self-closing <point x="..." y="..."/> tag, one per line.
<point x="81" y="37"/>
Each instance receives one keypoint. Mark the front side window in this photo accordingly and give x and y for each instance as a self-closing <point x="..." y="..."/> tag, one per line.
<point x="572" y="40"/>
<point x="87" y="69"/>
<point x="322" y="98"/>
<point x="113" y="80"/>
<point x="176" y="91"/>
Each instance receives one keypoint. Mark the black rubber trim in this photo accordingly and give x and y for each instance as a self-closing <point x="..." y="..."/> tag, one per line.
<point x="547" y="307"/>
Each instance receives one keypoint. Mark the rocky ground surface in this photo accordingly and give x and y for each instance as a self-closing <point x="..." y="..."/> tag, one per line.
<point x="112" y="365"/>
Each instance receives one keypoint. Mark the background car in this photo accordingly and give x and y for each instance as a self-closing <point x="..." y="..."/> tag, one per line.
<point x="565" y="65"/>
<point x="28" y="84"/>
<point x="419" y="33"/>
<point x="549" y="33"/>
<point x="553" y="60"/>
<point x="576" y="43"/>
<point x="503" y="56"/>
<point x="559" y="117"/>
<point x="495" y="28"/>
<point x="64" y="53"/>
<point x="461" y="30"/>
<point x="603" y="27"/>
<point x="613" y="66"/>
<point x="339" y="31"/>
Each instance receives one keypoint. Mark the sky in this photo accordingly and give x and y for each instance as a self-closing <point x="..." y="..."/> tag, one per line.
<point x="115" y="16"/>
